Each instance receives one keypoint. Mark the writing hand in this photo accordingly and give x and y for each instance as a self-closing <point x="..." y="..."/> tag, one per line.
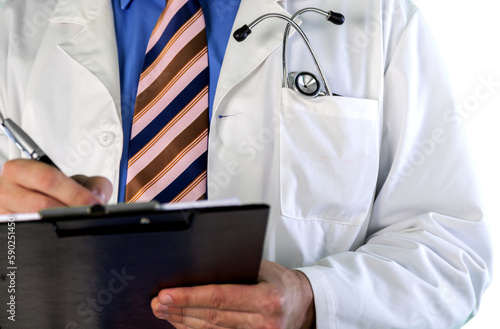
<point x="29" y="186"/>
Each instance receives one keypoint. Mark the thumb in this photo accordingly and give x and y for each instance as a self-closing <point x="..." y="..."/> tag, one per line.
<point x="99" y="186"/>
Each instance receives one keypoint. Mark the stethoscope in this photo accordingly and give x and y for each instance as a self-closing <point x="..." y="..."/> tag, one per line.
<point x="305" y="83"/>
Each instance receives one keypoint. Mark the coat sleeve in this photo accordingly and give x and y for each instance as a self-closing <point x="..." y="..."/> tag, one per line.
<point x="427" y="259"/>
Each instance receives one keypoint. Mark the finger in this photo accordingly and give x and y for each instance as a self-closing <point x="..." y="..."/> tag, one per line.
<point x="196" y="317"/>
<point x="99" y="186"/>
<point x="158" y="310"/>
<point x="156" y="306"/>
<point x="15" y="199"/>
<point x="179" y="325"/>
<point x="261" y="298"/>
<point x="45" y="179"/>
<point x="194" y="323"/>
<point x="154" y="302"/>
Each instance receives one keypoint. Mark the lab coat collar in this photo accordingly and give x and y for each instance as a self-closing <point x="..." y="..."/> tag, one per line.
<point x="97" y="55"/>
<point x="243" y="57"/>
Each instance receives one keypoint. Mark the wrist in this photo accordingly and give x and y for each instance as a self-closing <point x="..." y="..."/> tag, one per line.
<point x="307" y="300"/>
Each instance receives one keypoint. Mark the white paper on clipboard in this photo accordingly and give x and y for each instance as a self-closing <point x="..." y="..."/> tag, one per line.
<point x="122" y="207"/>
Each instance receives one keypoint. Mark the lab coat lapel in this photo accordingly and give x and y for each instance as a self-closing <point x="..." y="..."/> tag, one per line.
<point x="98" y="55"/>
<point x="242" y="58"/>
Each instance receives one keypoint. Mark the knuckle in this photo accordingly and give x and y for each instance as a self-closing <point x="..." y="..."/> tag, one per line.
<point x="7" y="168"/>
<point x="213" y="316"/>
<point x="47" y="179"/>
<point x="181" y="312"/>
<point x="11" y="168"/>
<point x="217" y="299"/>
<point x="183" y="300"/>
<point x="273" y="305"/>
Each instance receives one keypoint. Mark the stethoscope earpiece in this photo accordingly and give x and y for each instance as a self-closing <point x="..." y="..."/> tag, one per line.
<point x="242" y="33"/>
<point x="335" y="18"/>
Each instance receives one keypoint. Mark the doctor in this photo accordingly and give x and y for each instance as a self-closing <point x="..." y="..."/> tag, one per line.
<point x="374" y="200"/>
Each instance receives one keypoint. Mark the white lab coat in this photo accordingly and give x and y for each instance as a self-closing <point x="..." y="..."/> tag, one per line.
<point x="373" y="194"/>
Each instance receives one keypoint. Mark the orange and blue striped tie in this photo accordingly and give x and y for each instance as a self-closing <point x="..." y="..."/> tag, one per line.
<point x="169" y="138"/>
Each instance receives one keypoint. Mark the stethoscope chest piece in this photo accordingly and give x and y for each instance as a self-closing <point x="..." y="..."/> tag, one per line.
<point x="305" y="83"/>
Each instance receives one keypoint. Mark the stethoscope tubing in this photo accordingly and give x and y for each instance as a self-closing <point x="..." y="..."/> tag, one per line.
<point x="304" y="37"/>
<point x="285" y="48"/>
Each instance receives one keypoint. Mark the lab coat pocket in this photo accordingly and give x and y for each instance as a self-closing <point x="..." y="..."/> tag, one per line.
<point x="329" y="148"/>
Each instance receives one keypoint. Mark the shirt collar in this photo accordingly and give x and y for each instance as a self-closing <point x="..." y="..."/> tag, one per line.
<point x="125" y="3"/>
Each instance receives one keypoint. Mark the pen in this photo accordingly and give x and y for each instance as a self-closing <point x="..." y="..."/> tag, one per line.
<point x="24" y="142"/>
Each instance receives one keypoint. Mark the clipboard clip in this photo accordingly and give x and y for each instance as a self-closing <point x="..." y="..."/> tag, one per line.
<point x="116" y="219"/>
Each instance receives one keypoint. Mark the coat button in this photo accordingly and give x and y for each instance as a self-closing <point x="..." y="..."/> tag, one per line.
<point x="106" y="138"/>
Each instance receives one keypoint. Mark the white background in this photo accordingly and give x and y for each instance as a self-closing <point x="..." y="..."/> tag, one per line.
<point x="468" y="35"/>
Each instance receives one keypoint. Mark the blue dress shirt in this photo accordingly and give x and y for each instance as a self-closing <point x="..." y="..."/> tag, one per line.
<point x="134" y="22"/>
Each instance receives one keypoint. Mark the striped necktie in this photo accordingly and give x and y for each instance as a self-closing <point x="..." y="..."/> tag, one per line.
<point x="168" y="146"/>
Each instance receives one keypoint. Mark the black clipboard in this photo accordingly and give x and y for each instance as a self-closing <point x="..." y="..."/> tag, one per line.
<point x="99" y="267"/>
